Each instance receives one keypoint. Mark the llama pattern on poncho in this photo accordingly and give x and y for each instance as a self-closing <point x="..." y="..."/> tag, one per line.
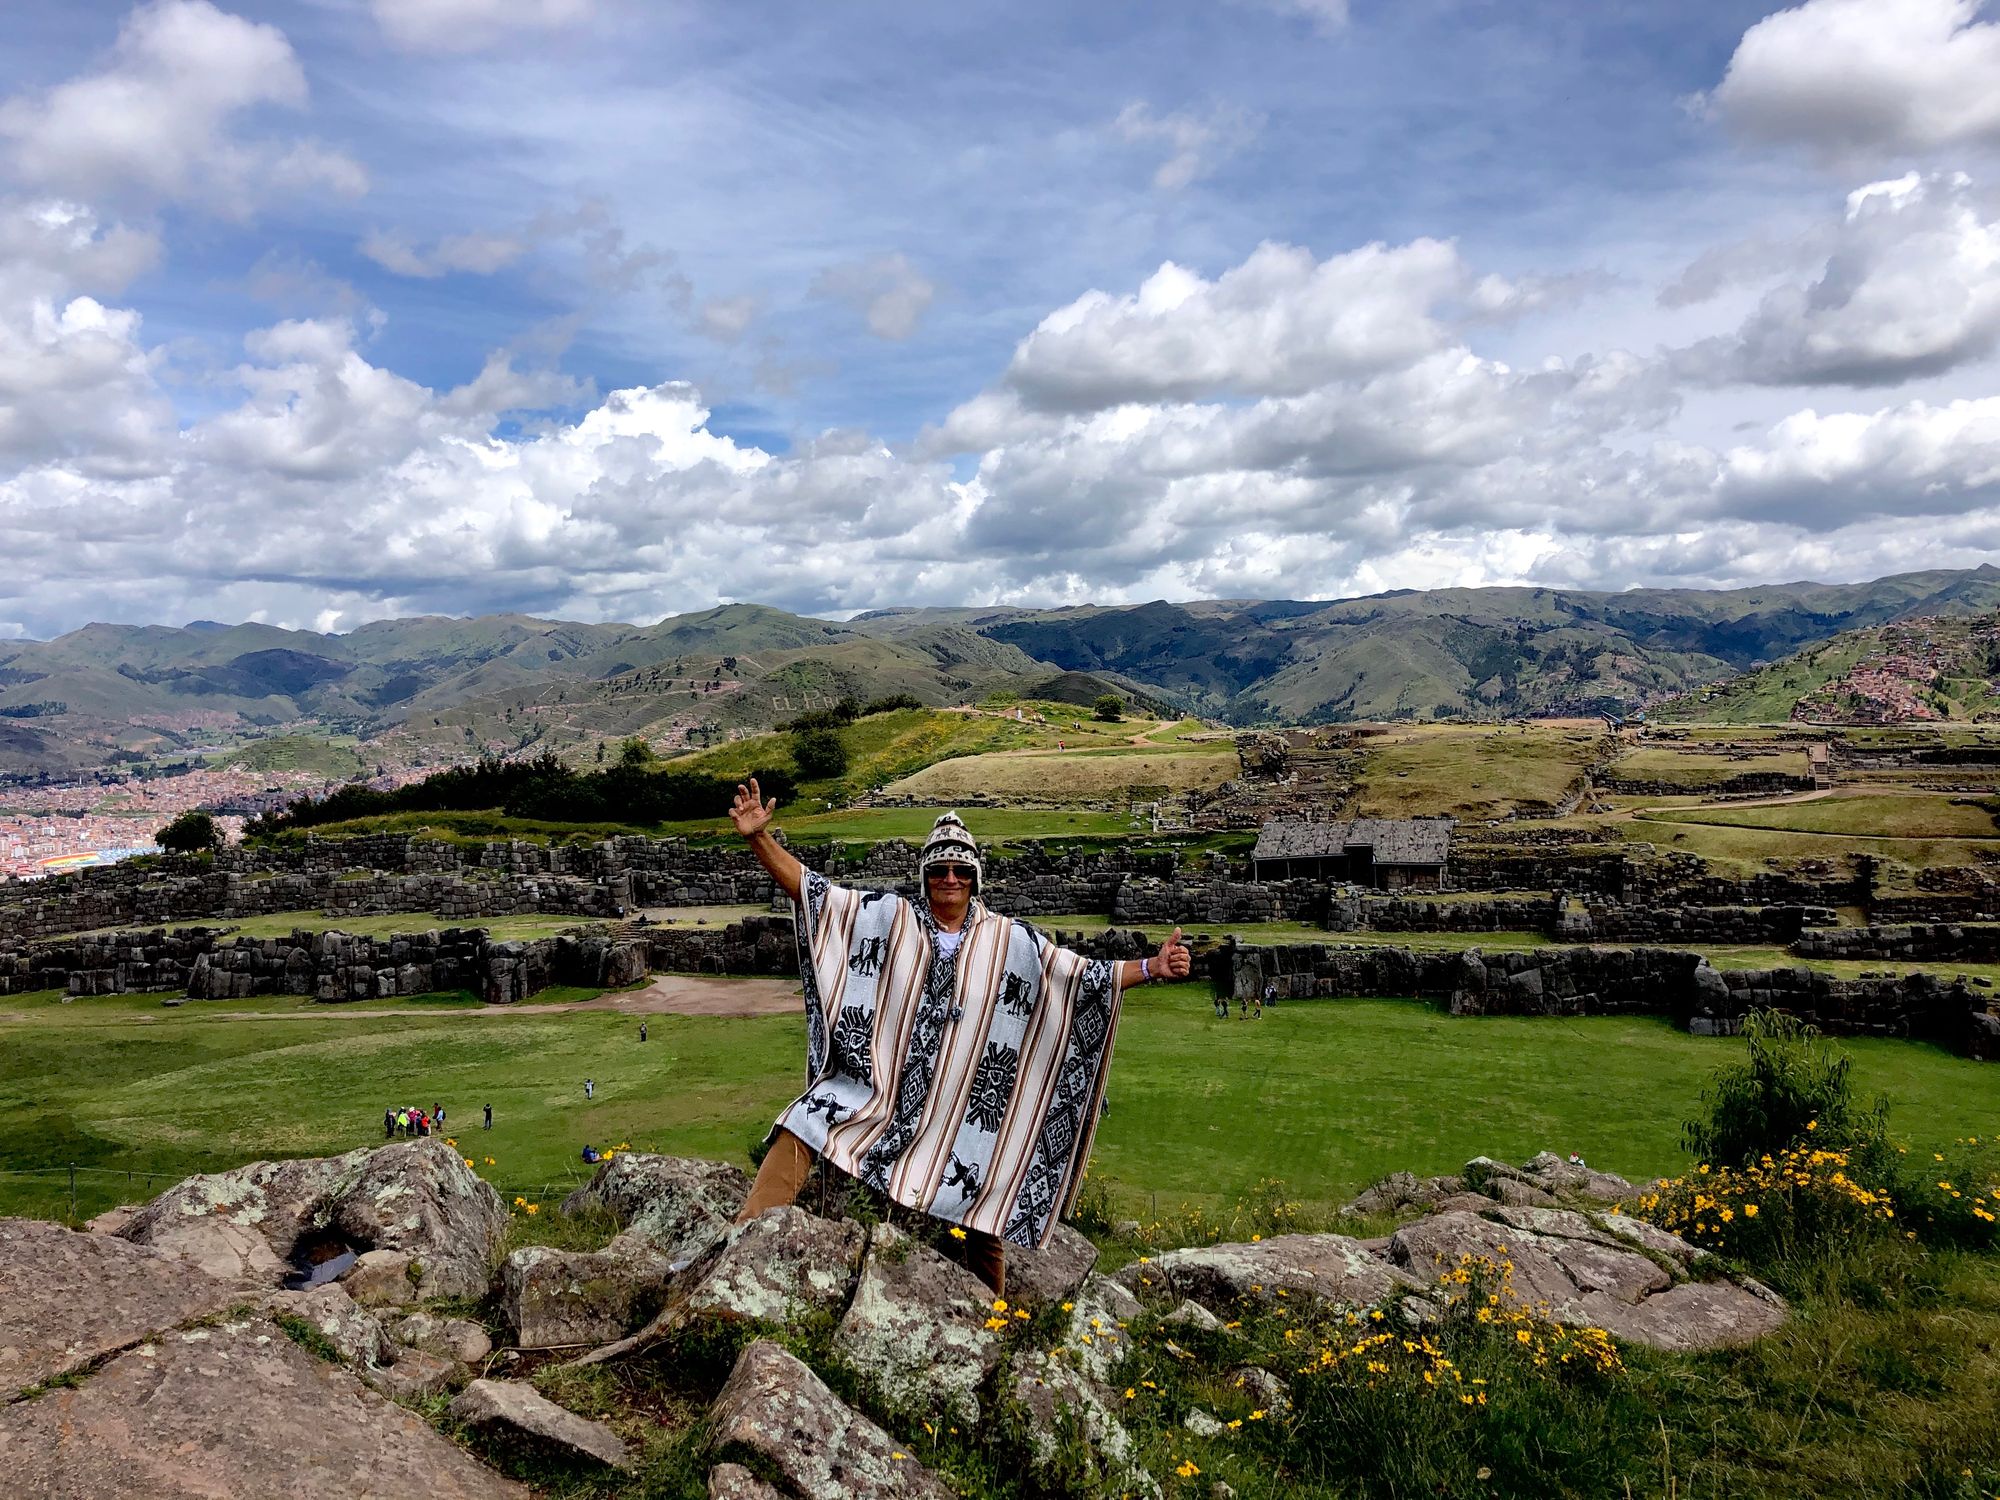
<point x="966" y="1085"/>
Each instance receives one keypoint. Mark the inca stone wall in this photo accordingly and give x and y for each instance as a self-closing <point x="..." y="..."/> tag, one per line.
<point x="212" y="964"/>
<point x="1917" y="943"/>
<point x="1619" y="981"/>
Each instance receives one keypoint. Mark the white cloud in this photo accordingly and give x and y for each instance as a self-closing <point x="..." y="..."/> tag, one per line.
<point x="889" y="292"/>
<point x="1866" y="76"/>
<point x="1910" y="286"/>
<point x="1196" y="144"/>
<point x="1327" y="16"/>
<point x="468" y="25"/>
<point x="477" y="253"/>
<point x="726" y="319"/>
<point x="160" y="118"/>
<point x="1280" y="323"/>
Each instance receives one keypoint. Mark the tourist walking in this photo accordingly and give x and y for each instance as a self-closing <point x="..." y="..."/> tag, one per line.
<point x="1221" y="1007"/>
<point x="589" y="1088"/>
<point x="1270" y="992"/>
<point x="642" y="1031"/>
<point x="489" y="1117"/>
<point x="388" y="1122"/>
<point x="954" y="988"/>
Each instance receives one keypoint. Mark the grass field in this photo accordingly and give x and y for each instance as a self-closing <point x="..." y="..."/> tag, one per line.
<point x="1696" y="769"/>
<point x="1909" y="816"/>
<point x="1472" y="772"/>
<point x="1325" y="1095"/>
<point x="1079" y="776"/>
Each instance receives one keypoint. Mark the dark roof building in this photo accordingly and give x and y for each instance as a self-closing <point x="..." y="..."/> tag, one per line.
<point x="1387" y="852"/>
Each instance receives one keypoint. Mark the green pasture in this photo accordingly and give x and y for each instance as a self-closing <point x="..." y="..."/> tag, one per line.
<point x="1472" y="772"/>
<point x="1858" y="814"/>
<point x="1326" y="1095"/>
<point x="380" y="925"/>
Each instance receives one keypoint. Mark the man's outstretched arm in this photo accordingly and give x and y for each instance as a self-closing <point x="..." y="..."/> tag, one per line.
<point x="752" y="816"/>
<point x="1173" y="961"/>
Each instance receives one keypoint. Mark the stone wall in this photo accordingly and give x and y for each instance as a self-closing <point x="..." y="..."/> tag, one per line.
<point x="1618" y="981"/>
<point x="1350" y="911"/>
<point x="1605" y="922"/>
<point x="1920" y="943"/>
<point x="211" y="964"/>
<point x="1743" y="784"/>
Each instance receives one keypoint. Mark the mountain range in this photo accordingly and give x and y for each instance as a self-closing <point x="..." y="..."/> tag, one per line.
<point x="435" y="685"/>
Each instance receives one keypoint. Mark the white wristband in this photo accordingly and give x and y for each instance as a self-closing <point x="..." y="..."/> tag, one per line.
<point x="1145" y="971"/>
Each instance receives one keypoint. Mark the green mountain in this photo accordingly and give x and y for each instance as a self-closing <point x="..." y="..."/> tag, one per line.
<point x="437" y="687"/>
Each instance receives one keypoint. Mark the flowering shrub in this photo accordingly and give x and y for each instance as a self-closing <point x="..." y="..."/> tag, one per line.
<point x="1953" y="1196"/>
<point x="1800" y="1200"/>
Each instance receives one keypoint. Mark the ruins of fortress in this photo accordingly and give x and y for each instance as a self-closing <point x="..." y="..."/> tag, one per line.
<point x="1614" y="919"/>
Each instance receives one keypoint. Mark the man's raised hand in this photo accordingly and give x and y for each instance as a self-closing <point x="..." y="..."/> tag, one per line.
<point x="750" y="812"/>
<point x="1174" y="961"/>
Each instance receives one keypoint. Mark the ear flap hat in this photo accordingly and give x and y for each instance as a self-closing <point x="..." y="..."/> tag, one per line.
<point x="950" y="844"/>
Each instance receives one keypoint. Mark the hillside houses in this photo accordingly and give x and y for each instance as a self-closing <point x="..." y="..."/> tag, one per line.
<point x="1387" y="853"/>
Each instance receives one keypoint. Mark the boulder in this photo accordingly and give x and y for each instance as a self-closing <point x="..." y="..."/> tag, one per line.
<point x="227" y="1251"/>
<point x="672" y="1206"/>
<point x="353" y="1330"/>
<point x="516" y="1412"/>
<point x="1051" y="1273"/>
<point x="1095" y="1339"/>
<point x="917" y="1326"/>
<point x="380" y="1278"/>
<point x="458" y="1339"/>
<point x="774" y="1407"/>
<point x="236" y="1409"/>
<point x="69" y="1299"/>
<point x="781" y="1263"/>
<point x="421" y="1198"/>
<point x="1264" y="1388"/>
<point x="1327" y="1267"/>
<point x="1051" y="1395"/>
<point x="415" y="1376"/>
<point x="1580" y="1274"/>
<point x="277" y="1199"/>
<point x="1557" y="1174"/>
<point x="1400" y="1190"/>
<point x="417" y="1197"/>
<point x="734" y="1482"/>
<point x="553" y="1298"/>
<point x="1193" y="1315"/>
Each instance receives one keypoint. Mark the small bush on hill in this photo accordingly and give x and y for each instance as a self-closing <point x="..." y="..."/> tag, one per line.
<point x="1108" y="708"/>
<point x="891" y="703"/>
<point x="1792" y="1087"/>
<point x="1952" y="1197"/>
<point x="818" y="753"/>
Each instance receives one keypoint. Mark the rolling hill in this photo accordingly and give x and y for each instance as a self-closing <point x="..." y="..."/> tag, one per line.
<point x="437" y="687"/>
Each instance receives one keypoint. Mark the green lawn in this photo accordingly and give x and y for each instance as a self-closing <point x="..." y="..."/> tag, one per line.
<point x="380" y="925"/>
<point x="1472" y="772"/>
<point x="1916" y="816"/>
<point x="1325" y="1095"/>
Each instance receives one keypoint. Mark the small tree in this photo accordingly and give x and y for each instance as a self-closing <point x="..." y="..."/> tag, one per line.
<point x="1108" y="708"/>
<point x="193" y="832"/>
<point x="635" y="753"/>
<point x="818" y="753"/>
<point x="1791" y="1086"/>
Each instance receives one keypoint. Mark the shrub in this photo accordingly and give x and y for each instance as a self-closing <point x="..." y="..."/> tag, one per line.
<point x="891" y="703"/>
<point x="1801" y="1204"/>
<point x="193" y="832"/>
<point x="1953" y="1197"/>
<point x="1792" y="1084"/>
<point x="818" y="753"/>
<point x="1108" y="708"/>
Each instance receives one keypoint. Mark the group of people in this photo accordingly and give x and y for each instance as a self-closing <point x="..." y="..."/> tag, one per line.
<point x="410" y="1120"/>
<point x="1248" y="1007"/>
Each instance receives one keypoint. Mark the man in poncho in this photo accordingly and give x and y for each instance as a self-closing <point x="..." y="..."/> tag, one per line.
<point x="955" y="1058"/>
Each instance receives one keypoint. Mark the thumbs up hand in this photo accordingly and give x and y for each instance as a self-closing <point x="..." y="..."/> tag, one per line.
<point x="1173" y="961"/>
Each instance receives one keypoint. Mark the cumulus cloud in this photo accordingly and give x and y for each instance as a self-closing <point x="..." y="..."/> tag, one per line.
<point x="888" y="292"/>
<point x="1195" y="144"/>
<point x="1280" y="323"/>
<point x="1865" y="76"/>
<point x="1910" y="286"/>
<point x="162" y="117"/>
<point x="468" y="25"/>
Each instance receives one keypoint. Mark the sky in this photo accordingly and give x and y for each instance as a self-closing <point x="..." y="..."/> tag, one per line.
<point x="327" y="311"/>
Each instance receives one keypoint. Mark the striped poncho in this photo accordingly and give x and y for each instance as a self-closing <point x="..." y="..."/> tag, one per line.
<point x="966" y="1086"/>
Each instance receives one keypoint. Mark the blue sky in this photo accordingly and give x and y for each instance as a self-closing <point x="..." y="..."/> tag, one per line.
<point x="318" y="312"/>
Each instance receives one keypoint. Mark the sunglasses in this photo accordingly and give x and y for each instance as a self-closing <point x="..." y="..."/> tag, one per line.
<point x="954" y="872"/>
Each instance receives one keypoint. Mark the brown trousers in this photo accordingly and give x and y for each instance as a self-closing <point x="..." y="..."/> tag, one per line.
<point x="784" y="1171"/>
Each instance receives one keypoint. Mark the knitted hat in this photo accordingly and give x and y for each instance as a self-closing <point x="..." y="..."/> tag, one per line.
<point x="949" y="844"/>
